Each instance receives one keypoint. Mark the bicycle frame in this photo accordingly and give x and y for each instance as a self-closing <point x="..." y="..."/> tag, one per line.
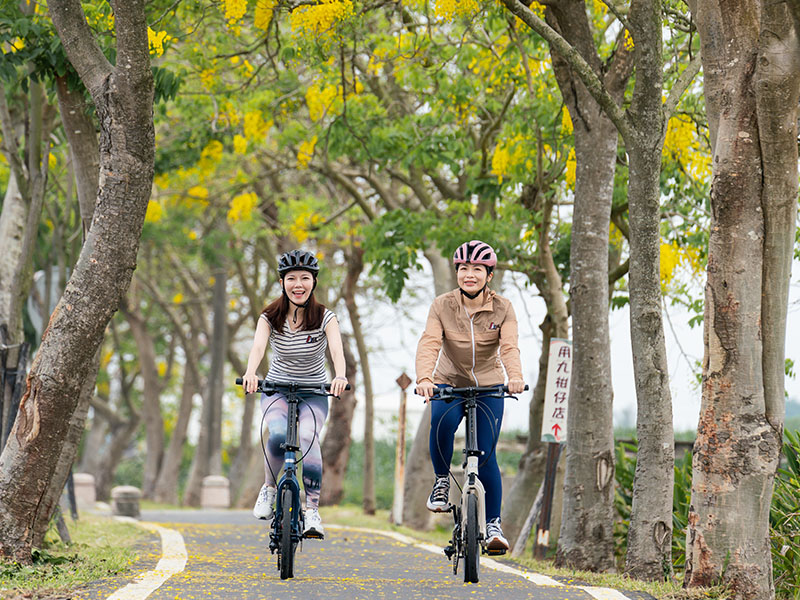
<point x="472" y="485"/>
<point x="289" y="477"/>
<point x="288" y="484"/>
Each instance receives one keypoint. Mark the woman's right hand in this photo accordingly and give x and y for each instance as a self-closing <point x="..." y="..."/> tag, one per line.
<point x="250" y="382"/>
<point x="425" y="388"/>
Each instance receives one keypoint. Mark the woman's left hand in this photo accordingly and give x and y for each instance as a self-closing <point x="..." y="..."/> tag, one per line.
<point x="337" y="385"/>
<point x="516" y="386"/>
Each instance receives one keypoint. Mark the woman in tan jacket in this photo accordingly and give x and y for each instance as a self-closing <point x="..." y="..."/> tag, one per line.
<point x="472" y="332"/>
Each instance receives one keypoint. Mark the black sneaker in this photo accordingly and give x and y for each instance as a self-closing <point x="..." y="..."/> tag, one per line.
<point x="438" y="501"/>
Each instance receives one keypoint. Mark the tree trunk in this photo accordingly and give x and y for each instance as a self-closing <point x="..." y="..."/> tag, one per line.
<point x="649" y="554"/>
<point x="419" y="470"/>
<point x="336" y="445"/>
<point x="586" y="537"/>
<point x="216" y="383"/>
<point x="523" y="492"/>
<point x="519" y="499"/>
<point x="121" y="436"/>
<point x="151" y="395"/>
<point x="355" y="265"/>
<point x="750" y="61"/>
<point x="166" y="488"/>
<point x="124" y="101"/>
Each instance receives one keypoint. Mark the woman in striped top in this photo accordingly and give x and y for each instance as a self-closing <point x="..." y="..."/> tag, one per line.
<point x="299" y="329"/>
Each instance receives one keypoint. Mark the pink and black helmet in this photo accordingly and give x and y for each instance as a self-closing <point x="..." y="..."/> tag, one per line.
<point x="477" y="253"/>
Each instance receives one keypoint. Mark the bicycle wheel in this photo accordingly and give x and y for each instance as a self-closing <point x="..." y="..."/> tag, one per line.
<point x="471" y="542"/>
<point x="287" y="545"/>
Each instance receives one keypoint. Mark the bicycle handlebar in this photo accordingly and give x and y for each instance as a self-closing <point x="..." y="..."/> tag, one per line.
<point x="265" y="386"/>
<point x="449" y="393"/>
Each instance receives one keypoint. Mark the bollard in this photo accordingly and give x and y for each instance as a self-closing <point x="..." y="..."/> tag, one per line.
<point x="215" y="492"/>
<point x="125" y="501"/>
<point x="85" y="493"/>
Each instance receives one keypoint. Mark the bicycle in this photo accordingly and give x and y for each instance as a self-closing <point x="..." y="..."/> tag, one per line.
<point x="289" y="520"/>
<point x="469" y="516"/>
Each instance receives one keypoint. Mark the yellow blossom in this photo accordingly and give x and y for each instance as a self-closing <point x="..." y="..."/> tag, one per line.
<point x="155" y="40"/>
<point x="319" y="99"/>
<point x="197" y="196"/>
<point x="239" y="144"/>
<point x="162" y="368"/>
<point x="264" y="13"/>
<point x="572" y="165"/>
<point x="320" y="18"/>
<point x="305" y="152"/>
<point x="628" y="41"/>
<point x="255" y="128"/>
<point x="508" y="154"/>
<point x="449" y="9"/>
<point x="154" y="212"/>
<point x="52" y="161"/>
<point x="566" y="122"/>
<point x="177" y="298"/>
<point x="242" y="207"/>
<point x="234" y="10"/>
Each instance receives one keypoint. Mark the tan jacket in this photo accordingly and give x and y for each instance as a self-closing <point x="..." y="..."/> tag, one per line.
<point x="469" y="343"/>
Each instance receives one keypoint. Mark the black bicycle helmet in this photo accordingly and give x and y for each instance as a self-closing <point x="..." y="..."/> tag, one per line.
<point x="298" y="260"/>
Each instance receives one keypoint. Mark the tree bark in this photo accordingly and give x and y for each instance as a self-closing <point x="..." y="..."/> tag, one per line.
<point x="750" y="62"/>
<point x="336" y="445"/>
<point x="166" y="488"/>
<point x="123" y="98"/>
<point x="216" y="383"/>
<point x="151" y="395"/>
<point x="523" y="492"/>
<point x="649" y="554"/>
<point x="355" y="265"/>
<point x="586" y="536"/>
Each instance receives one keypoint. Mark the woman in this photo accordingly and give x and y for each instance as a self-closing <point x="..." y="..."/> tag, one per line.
<point x="299" y="329"/>
<point x="470" y="326"/>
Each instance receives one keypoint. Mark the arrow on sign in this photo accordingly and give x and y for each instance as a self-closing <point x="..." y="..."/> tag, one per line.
<point x="556" y="428"/>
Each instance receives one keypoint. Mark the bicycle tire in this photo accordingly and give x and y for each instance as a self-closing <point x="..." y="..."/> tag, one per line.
<point x="287" y="545"/>
<point x="471" y="543"/>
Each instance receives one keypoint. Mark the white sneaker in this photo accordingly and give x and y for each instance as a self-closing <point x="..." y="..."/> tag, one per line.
<point x="496" y="542"/>
<point x="264" y="503"/>
<point x="313" y="528"/>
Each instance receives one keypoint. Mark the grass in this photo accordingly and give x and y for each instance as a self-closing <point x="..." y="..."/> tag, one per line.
<point x="101" y="547"/>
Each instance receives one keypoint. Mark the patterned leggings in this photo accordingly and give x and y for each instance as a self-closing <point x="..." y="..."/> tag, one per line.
<point x="312" y="413"/>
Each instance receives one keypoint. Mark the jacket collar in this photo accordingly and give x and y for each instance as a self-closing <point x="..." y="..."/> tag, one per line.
<point x="486" y="305"/>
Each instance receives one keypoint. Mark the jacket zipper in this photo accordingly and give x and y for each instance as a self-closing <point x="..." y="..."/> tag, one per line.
<point x="472" y="332"/>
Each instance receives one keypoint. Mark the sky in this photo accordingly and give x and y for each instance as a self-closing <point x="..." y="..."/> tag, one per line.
<point x="395" y="329"/>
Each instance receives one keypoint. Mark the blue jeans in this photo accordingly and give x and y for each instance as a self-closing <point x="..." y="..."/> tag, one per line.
<point x="445" y="418"/>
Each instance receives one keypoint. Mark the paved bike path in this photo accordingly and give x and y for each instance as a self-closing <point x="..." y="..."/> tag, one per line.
<point x="228" y="558"/>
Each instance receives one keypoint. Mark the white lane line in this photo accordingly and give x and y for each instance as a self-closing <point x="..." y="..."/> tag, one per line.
<point x="173" y="560"/>
<point x="603" y="593"/>
<point x="599" y="593"/>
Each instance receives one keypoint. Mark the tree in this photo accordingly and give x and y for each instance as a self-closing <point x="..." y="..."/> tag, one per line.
<point x="750" y="61"/>
<point x="642" y="127"/>
<point x="123" y="98"/>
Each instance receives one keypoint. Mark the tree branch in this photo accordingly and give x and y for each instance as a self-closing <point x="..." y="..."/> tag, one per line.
<point x="582" y="69"/>
<point x="79" y="43"/>
<point x="683" y="82"/>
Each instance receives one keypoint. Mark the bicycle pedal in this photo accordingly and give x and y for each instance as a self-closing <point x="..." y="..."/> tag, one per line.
<point x="491" y="552"/>
<point x="314" y="535"/>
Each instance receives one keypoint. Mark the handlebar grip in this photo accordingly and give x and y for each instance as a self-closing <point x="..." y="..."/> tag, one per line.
<point x="239" y="381"/>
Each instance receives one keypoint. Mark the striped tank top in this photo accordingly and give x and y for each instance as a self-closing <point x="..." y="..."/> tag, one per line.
<point x="299" y="356"/>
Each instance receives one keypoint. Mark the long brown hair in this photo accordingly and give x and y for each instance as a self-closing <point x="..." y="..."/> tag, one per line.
<point x="277" y="311"/>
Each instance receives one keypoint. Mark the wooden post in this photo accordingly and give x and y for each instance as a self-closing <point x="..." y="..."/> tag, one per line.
<point x="543" y="529"/>
<point x="400" y="452"/>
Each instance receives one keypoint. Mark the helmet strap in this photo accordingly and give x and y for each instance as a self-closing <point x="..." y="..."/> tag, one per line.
<point x="475" y="295"/>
